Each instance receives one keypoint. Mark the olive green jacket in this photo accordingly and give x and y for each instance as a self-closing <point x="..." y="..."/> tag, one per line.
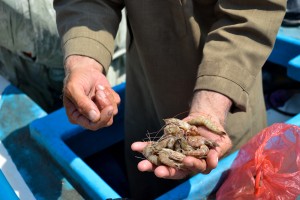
<point x="175" y="47"/>
<point x="180" y="44"/>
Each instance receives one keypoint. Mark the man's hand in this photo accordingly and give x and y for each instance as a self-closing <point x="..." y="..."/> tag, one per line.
<point x="192" y="164"/>
<point x="88" y="97"/>
<point x="216" y="106"/>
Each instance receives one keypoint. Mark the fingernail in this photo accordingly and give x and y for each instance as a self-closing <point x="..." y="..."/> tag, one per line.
<point x="92" y="115"/>
<point x="110" y="113"/>
<point x="101" y="87"/>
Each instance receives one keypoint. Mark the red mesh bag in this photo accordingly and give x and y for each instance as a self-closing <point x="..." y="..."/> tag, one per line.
<point x="267" y="167"/>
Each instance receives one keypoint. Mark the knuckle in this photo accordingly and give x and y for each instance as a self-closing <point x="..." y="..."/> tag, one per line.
<point x="66" y="90"/>
<point x="109" y="123"/>
<point x="116" y="111"/>
<point x="72" y="121"/>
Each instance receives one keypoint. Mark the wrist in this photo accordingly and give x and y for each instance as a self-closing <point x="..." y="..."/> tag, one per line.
<point x="211" y="103"/>
<point x="76" y="61"/>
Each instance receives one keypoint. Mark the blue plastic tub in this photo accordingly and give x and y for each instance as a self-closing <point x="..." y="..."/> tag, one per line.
<point x="79" y="153"/>
<point x="69" y="144"/>
<point x="13" y="102"/>
<point x="7" y="192"/>
<point x="76" y="150"/>
<point x="286" y="51"/>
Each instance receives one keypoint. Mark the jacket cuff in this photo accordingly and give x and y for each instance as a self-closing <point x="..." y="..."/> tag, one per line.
<point x="88" y="44"/>
<point x="226" y="87"/>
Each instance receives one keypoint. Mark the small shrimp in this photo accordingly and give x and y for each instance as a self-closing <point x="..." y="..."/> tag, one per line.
<point x="188" y="128"/>
<point x="171" y="158"/>
<point x="198" y="140"/>
<point x="198" y="153"/>
<point x="208" y="123"/>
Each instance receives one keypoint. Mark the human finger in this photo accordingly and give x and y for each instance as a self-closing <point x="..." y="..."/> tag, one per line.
<point x="212" y="160"/>
<point x="116" y="96"/>
<point x="82" y="103"/>
<point x="194" y="164"/>
<point x="105" y="98"/>
<point x="160" y="171"/>
<point x="71" y="111"/>
<point x="138" y="146"/>
<point x="203" y="166"/>
<point x="170" y="173"/>
<point x="76" y="117"/>
<point x="106" y="108"/>
<point x="106" y="113"/>
<point x="146" y="166"/>
<point x="106" y="119"/>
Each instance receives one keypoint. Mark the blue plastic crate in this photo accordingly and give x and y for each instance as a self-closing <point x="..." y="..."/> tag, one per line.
<point x="62" y="139"/>
<point x="7" y="192"/>
<point x="54" y="131"/>
<point x="286" y="51"/>
<point x="12" y="103"/>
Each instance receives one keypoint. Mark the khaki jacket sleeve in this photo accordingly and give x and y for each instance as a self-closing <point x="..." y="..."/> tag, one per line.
<point x="238" y="45"/>
<point x="88" y="27"/>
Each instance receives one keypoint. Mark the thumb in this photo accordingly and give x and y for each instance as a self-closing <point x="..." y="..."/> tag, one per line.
<point x="212" y="159"/>
<point x="83" y="104"/>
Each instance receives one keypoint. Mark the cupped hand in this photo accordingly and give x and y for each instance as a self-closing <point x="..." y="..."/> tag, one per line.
<point x="160" y="171"/>
<point x="211" y="161"/>
<point x="88" y="97"/>
<point x="192" y="165"/>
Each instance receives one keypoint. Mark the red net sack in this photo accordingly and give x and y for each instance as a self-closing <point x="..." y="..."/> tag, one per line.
<point x="267" y="167"/>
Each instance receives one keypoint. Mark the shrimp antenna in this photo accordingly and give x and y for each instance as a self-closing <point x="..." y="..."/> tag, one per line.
<point x="181" y="113"/>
